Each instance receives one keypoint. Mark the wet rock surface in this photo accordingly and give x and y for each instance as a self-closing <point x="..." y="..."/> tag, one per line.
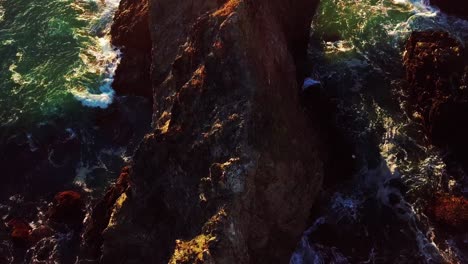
<point x="67" y="208"/>
<point x="20" y="231"/>
<point x="232" y="165"/>
<point x="100" y="217"/>
<point x="436" y="69"/>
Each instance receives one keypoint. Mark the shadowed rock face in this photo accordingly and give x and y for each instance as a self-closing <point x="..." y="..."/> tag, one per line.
<point x="436" y="67"/>
<point x="231" y="169"/>
<point x="100" y="217"/>
<point x="453" y="7"/>
<point x="130" y="33"/>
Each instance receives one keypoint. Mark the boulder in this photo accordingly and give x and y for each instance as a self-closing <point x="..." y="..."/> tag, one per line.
<point x="67" y="208"/>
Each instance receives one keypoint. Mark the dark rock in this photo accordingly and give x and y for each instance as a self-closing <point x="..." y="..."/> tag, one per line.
<point x="232" y="165"/>
<point x="451" y="211"/>
<point x="67" y="208"/>
<point x="130" y="32"/>
<point x="20" y="231"/>
<point x="436" y="69"/>
<point x="100" y="216"/>
<point x="452" y="7"/>
<point x="39" y="233"/>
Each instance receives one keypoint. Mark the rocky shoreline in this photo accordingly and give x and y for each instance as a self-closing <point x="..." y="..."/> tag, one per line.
<point x="238" y="151"/>
<point x="235" y="159"/>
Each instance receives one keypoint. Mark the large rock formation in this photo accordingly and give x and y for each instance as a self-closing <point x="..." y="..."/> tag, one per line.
<point x="230" y="172"/>
<point x="436" y="67"/>
<point x="453" y="7"/>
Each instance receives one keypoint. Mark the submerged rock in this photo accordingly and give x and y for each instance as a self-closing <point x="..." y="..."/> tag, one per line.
<point x="20" y="231"/>
<point x="232" y="167"/>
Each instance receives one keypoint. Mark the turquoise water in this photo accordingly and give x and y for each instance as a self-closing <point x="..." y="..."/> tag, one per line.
<point x="357" y="51"/>
<point x="52" y="54"/>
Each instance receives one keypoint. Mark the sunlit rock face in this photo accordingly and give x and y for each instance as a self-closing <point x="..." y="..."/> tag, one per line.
<point x="231" y="169"/>
<point x="453" y="7"/>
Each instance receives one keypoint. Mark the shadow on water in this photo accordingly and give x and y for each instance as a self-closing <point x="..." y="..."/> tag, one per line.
<point x="83" y="152"/>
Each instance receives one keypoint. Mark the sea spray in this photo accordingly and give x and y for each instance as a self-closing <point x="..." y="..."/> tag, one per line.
<point x="101" y="58"/>
<point x="357" y="49"/>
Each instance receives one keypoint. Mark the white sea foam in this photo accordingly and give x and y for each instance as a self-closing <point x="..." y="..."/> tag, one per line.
<point x="81" y="174"/>
<point x="2" y="12"/>
<point x="102" y="58"/>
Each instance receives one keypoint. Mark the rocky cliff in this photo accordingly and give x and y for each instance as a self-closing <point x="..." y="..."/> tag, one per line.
<point x="231" y="169"/>
<point x="130" y="32"/>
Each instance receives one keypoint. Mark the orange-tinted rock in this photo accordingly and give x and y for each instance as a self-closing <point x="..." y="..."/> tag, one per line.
<point x="20" y="231"/>
<point x="451" y="211"/>
<point x="67" y="208"/>
<point x="130" y="33"/>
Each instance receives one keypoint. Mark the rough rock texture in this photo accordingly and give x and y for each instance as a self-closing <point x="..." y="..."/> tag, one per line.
<point x="67" y="208"/>
<point x="130" y="32"/>
<point x="453" y="7"/>
<point x="101" y="214"/>
<point x="436" y="68"/>
<point x="20" y="230"/>
<point x="230" y="172"/>
<point x="451" y="211"/>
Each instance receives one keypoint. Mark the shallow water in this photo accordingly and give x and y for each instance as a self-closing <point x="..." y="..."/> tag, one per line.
<point x="376" y="215"/>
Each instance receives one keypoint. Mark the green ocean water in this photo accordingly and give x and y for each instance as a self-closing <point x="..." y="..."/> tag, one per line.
<point x="52" y="53"/>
